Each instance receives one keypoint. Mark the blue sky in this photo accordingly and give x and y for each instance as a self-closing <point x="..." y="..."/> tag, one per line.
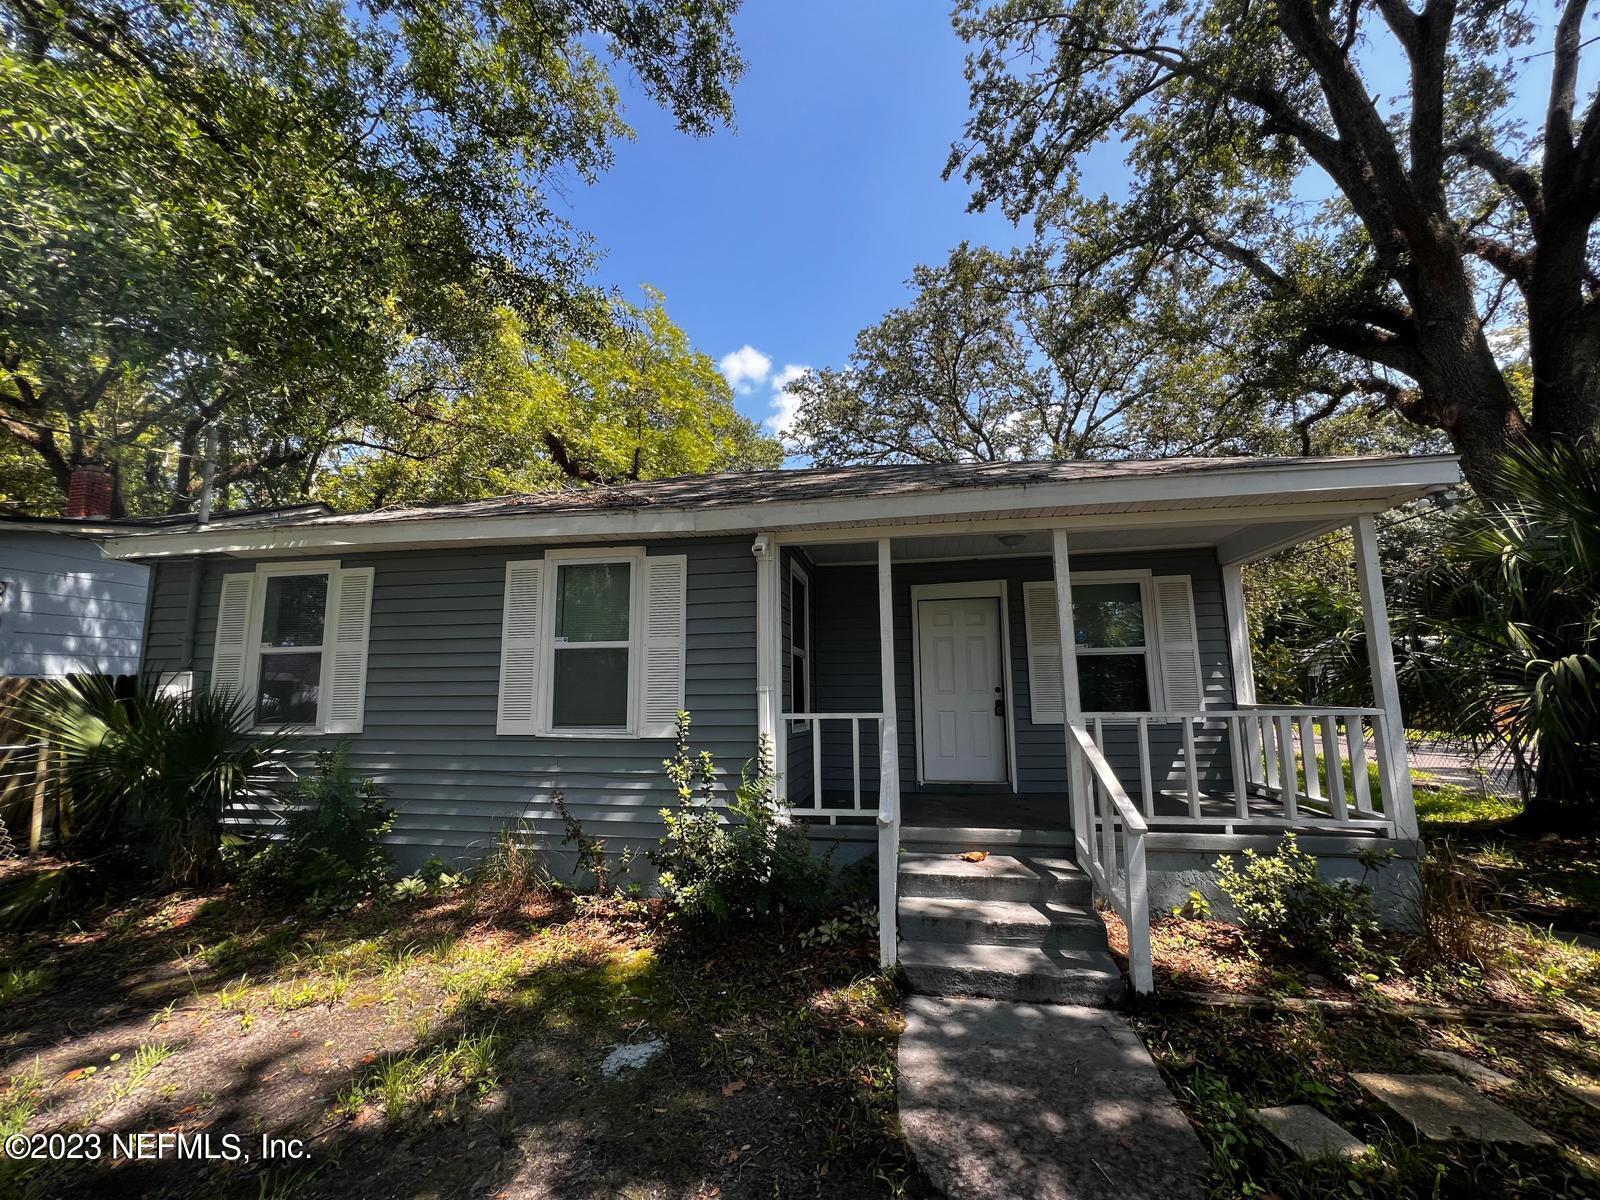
<point x="777" y="241"/>
<point x="799" y="227"/>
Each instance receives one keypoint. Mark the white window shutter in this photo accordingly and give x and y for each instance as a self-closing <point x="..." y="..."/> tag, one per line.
<point x="666" y="581"/>
<point x="347" y="674"/>
<point x="1046" y="698"/>
<point x="1181" y="686"/>
<point x="519" y="647"/>
<point x="229" y="655"/>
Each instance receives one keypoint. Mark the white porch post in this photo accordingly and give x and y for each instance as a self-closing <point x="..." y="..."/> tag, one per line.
<point x="769" y="673"/>
<point x="888" y="769"/>
<point x="1244" y="668"/>
<point x="1071" y="701"/>
<point x="1393" y="769"/>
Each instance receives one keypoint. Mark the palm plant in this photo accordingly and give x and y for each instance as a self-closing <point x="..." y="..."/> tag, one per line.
<point x="1502" y="630"/>
<point x="151" y="769"/>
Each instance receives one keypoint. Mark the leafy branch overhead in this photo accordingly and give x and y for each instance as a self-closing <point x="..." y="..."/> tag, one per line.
<point x="250" y="214"/>
<point x="1345" y="185"/>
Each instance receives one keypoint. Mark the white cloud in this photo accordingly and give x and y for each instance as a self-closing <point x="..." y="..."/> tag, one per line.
<point x="745" y="368"/>
<point x="784" y="402"/>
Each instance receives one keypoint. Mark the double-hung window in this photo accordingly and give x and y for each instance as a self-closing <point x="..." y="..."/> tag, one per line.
<point x="799" y="642"/>
<point x="293" y="643"/>
<point x="591" y="645"/>
<point x="1109" y="628"/>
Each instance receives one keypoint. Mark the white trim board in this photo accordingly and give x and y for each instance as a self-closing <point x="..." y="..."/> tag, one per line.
<point x="1349" y="487"/>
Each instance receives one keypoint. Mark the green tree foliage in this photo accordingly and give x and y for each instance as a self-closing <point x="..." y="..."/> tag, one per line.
<point x="248" y="213"/>
<point x="998" y="356"/>
<point x="636" y="402"/>
<point x="1357" y="231"/>
<point x="1503" y="629"/>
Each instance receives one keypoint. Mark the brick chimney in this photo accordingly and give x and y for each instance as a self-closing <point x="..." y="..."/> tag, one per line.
<point x="89" y="494"/>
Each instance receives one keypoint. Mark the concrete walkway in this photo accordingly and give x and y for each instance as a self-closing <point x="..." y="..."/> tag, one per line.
<point x="1040" y="1101"/>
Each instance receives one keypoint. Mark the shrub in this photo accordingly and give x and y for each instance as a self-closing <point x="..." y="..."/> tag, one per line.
<point x="714" y="868"/>
<point x="1281" y="899"/>
<point x="157" y="771"/>
<point x="328" y="851"/>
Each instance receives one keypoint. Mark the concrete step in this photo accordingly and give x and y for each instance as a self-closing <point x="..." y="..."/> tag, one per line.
<point x="998" y="877"/>
<point x="1087" y="977"/>
<point x="1047" y="924"/>
<point x="941" y="839"/>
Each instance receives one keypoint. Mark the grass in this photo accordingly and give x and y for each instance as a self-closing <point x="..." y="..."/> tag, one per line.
<point x="433" y="1047"/>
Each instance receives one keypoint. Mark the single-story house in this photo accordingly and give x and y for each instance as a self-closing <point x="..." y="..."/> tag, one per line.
<point x="1034" y="656"/>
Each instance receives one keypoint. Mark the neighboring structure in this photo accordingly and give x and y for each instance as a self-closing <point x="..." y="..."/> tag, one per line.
<point x="64" y="606"/>
<point x="1062" y="645"/>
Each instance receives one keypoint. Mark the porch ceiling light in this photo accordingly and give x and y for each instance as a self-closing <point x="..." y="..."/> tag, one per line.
<point x="1009" y="539"/>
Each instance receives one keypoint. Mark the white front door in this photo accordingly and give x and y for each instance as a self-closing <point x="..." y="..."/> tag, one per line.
<point x="963" y="734"/>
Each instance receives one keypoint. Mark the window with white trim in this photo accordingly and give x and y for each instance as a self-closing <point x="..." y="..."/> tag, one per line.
<point x="1108" y="621"/>
<point x="591" y="644"/>
<point x="291" y="641"/>
<point x="799" y="642"/>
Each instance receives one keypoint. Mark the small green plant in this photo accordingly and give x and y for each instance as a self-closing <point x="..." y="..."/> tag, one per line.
<point x="857" y="921"/>
<point x="714" y="868"/>
<point x="1195" y="907"/>
<point x="592" y="854"/>
<point x="434" y="879"/>
<point x="1282" y="899"/>
<point x="328" y="851"/>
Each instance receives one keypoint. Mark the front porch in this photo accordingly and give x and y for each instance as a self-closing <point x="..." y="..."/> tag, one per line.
<point x="1087" y="686"/>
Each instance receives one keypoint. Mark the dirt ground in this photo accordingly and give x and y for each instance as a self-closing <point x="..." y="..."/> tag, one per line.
<point x="431" y="1050"/>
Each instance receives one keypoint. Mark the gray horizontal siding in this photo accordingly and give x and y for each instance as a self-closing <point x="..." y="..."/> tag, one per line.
<point x="67" y="607"/>
<point x="432" y="691"/>
<point x="847" y="670"/>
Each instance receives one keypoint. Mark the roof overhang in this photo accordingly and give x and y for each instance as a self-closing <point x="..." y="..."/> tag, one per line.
<point x="1293" y="498"/>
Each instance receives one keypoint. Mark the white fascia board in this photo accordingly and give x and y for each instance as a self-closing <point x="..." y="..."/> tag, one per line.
<point x="1395" y="480"/>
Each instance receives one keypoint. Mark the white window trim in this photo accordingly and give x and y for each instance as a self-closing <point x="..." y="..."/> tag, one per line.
<point x="796" y="571"/>
<point x="254" y="649"/>
<point x="555" y="559"/>
<point x="1152" y="632"/>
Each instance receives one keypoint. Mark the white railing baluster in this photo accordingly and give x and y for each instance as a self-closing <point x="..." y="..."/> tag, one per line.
<point x="1269" y="743"/>
<point x="1191" y="769"/>
<point x="1337" y="808"/>
<point x="855" y="761"/>
<point x="1108" y="829"/>
<point x="1146" y="785"/>
<point x="1127" y="890"/>
<point x="816" y="762"/>
<point x="1241" y="781"/>
<point x="1308" y="757"/>
<point x="1356" y="738"/>
<point x="1290" y="789"/>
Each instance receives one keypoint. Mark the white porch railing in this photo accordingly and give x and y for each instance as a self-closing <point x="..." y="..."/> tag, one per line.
<point x="817" y="722"/>
<point x="1110" y="834"/>
<point x="1302" y="768"/>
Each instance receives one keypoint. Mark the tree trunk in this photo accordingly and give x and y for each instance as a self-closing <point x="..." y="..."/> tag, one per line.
<point x="1563" y="344"/>
<point x="1463" y="391"/>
